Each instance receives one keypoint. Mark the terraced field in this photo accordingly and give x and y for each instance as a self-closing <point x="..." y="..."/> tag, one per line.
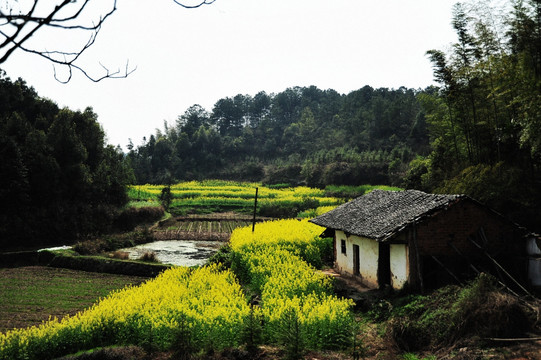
<point x="217" y="227"/>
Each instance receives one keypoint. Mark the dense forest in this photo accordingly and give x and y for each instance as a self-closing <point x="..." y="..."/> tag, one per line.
<point x="298" y="136"/>
<point x="58" y="178"/>
<point x="478" y="132"/>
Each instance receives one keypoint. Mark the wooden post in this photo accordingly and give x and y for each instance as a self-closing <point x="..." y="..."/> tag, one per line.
<point x="418" y="257"/>
<point x="255" y="209"/>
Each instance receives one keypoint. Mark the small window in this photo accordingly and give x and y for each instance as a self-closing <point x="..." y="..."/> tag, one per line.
<point x="343" y="246"/>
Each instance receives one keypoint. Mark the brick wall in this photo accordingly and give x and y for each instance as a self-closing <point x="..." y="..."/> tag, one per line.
<point x="454" y="225"/>
<point x="461" y="220"/>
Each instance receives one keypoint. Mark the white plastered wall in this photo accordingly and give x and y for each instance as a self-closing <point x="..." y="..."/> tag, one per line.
<point x="399" y="265"/>
<point x="368" y="253"/>
<point x="534" y="262"/>
<point x="341" y="262"/>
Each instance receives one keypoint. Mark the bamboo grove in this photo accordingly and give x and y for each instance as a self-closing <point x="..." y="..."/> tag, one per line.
<point x="484" y="119"/>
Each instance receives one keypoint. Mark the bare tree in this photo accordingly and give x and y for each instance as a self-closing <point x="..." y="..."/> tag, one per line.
<point x="20" y="20"/>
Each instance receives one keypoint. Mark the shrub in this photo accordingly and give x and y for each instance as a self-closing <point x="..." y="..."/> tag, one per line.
<point x="222" y="256"/>
<point x="166" y="197"/>
<point x="349" y="191"/>
<point x="279" y="186"/>
<point x="122" y="255"/>
<point x="133" y="216"/>
<point x="287" y="209"/>
<point x="278" y="210"/>
<point x="452" y="314"/>
<point x="113" y="242"/>
<point x="90" y="247"/>
<point x="502" y="187"/>
<point x="276" y="174"/>
<point x="149" y="256"/>
<point x="484" y="311"/>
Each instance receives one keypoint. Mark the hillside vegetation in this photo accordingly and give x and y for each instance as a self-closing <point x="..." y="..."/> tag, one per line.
<point x="301" y="135"/>
<point x="477" y="133"/>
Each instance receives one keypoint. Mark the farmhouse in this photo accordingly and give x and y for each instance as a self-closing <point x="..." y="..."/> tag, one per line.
<point x="394" y="238"/>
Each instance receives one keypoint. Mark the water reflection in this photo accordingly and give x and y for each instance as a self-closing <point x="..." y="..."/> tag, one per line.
<point x="177" y="252"/>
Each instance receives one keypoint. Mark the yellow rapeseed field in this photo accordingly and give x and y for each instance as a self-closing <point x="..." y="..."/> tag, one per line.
<point x="231" y="194"/>
<point x="207" y="302"/>
<point x="273" y="261"/>
<point x="206" y="307"/>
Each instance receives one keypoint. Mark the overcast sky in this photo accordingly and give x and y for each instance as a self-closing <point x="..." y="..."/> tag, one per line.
<point x="186" y="57"/>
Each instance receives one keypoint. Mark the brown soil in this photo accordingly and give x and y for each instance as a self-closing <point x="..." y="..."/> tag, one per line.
<point x="206" y="227"/>
<point x="380" y="352"/>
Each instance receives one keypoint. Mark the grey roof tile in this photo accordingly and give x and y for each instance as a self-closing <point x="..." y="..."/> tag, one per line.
<point x="380" y="214"/>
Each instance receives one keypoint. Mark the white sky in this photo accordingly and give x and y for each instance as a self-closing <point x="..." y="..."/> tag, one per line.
<point x="186" y="57"/>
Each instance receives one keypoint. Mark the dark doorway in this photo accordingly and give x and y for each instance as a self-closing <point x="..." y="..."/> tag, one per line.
<point x="384" y="265"/>
<point x="356" y="260"/>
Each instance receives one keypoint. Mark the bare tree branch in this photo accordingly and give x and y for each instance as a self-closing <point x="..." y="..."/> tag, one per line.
<point x="204" y="2"/>
<point x="18" y="26"/>
<point x="22" y="20"/>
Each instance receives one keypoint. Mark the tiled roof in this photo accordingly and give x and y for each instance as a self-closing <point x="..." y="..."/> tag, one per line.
<point x="381" y="214"/>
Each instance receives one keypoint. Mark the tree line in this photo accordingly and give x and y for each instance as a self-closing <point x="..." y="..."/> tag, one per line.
<point x="58" y="178"/>
<point x="302" y="135"/>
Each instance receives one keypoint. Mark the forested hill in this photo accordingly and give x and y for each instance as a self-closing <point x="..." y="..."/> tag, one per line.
<point x="478" y="133"/>
<point x="301" y="135"/>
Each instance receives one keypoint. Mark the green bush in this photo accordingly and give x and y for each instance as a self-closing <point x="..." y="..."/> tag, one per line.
<point x="326" y="251"/>
<point x="222" y="256"/>
<point x="133" y="216"/>
<point x="113" y="242"/>
<point x="507" y="189"/>
<point x="351" y="191"/>
<point x="166" y="197"/>
<point x="277" y="210"/>
<point x="149" y="256"/>
<point x="91" y="247"/>
<point x="452" y="314"/>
